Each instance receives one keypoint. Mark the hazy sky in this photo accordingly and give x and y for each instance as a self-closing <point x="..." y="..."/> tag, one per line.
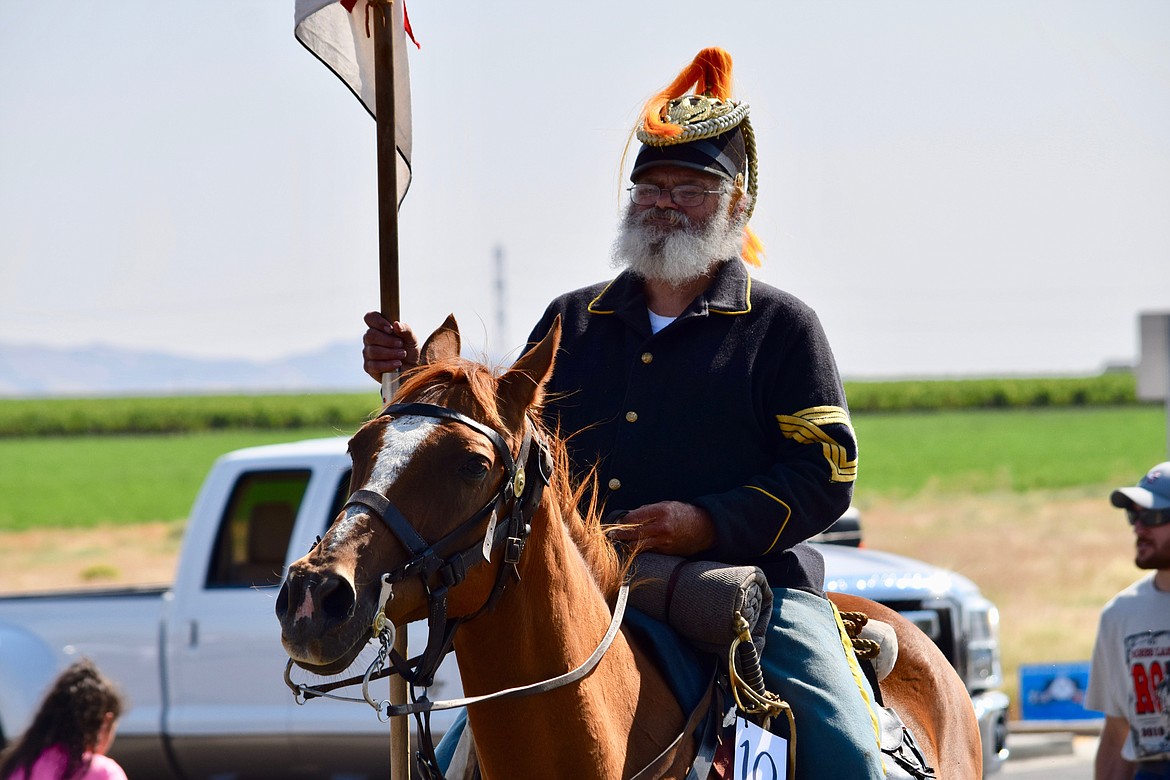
<point x="957" y="188"/>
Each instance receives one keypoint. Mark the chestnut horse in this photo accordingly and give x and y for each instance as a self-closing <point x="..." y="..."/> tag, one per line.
<point x="540" y="605"/>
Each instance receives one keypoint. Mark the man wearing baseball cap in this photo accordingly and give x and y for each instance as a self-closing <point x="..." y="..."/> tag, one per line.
<point x="1130" y="677"/>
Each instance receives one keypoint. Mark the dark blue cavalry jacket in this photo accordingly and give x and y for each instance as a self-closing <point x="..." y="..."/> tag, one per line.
<point x="736" y="406"/>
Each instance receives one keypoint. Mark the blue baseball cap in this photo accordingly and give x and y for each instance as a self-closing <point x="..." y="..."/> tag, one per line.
<point x="1153" y="492"/>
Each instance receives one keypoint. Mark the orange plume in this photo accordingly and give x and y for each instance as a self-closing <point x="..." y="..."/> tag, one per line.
<point x="753" y="248"/>
<point x="709" y="73"/>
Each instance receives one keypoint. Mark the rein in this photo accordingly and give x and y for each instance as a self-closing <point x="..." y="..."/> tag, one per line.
<point x="386" y="710"/>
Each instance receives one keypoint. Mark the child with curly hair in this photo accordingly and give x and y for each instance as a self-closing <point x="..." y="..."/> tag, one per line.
<point x="71" y="732"/>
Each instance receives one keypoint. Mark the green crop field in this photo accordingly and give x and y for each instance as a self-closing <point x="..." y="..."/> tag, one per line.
<point x="1015" y="450"/>
<point x="81" y="481"/>
<point x="181" y="414"/>
<point x="84" y="481"/>
<point x="189" y="414"/>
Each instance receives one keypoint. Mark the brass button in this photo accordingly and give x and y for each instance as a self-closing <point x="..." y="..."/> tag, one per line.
<point x="615" y="483"/>
<point x="631" y="417"/>
<point x="647" y="357"/>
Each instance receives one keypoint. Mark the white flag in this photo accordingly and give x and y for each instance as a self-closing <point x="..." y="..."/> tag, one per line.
<point x="336" y="33"/>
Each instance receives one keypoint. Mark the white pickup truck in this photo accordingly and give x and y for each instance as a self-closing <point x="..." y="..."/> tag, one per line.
<point x="202" y="666"/>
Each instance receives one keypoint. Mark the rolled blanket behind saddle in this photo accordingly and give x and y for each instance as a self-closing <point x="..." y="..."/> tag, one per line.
<point x="699" y="599"/>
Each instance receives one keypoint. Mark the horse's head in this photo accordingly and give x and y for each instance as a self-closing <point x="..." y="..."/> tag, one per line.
<point x="428" y="476"/>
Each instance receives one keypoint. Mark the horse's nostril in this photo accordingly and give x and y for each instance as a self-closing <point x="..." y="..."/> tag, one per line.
<point x="336" y="599"/>
<point x="282" y="601"/>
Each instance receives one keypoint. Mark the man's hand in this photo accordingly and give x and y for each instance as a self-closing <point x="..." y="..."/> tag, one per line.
<point x="387" y="346"/>
<point x="669" y="527"/>
<point x="1109" y="765"/>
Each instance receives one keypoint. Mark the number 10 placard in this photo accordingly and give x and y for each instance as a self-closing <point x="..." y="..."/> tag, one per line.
<point x="759" y="754"/>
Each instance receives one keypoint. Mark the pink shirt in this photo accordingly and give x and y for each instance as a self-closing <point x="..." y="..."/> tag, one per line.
<point x="51" y="764"/>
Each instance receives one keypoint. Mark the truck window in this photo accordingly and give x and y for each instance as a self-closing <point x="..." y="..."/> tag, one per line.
<point x="254" y="532"/>
<point x="339" y="498"/>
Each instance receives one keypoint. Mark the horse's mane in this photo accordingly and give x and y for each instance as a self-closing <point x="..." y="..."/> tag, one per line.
<point x="472" y="386"/>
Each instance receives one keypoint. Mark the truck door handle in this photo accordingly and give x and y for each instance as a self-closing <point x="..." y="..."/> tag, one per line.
<point x="192" y="634"/>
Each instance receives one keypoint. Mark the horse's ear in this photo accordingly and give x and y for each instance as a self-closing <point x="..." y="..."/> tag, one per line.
<point x="520" y="388"/>
<point x="442" y="344"/>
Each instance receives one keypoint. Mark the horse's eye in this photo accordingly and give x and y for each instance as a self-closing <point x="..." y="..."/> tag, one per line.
<point x="475" y="468"/>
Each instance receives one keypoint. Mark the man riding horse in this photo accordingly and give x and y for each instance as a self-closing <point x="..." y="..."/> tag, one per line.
<point x="709" y="402"/>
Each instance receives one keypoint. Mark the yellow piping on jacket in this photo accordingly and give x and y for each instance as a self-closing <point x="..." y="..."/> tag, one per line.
<point x="783" y="523"/>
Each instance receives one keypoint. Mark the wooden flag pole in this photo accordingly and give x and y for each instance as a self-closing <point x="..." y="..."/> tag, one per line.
<point x="389" y="296"/>
<point x="387" y="159"/>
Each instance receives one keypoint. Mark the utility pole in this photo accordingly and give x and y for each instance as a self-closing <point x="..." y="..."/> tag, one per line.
<point x="1153" y="370"/>
<point x="502" y="343"/>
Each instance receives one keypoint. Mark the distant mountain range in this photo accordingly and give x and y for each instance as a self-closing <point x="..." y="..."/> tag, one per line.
<point x="102" y="370"/>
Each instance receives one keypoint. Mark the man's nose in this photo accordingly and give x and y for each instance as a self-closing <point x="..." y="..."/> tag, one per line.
<point x="665" y="200"/>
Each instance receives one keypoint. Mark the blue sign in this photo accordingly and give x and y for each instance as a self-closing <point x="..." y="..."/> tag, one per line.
<point x="1055" y="692"/>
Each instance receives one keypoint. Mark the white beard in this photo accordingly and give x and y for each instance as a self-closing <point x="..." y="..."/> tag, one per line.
<point x="679" y="252"/>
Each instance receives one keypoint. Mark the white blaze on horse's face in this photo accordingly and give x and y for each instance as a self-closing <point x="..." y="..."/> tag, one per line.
<point x="400" y="439"/>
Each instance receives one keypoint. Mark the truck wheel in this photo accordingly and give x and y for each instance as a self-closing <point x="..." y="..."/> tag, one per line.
<point x="996" y="752"/>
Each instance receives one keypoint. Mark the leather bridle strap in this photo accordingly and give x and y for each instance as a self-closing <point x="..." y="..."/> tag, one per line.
<point x="426" y="555"/>
<point x="452" y="569"/>
<point x="423" y="551"/>
<point x="390" y="515"/>
<point x="426" y="560"/>
<point x="443" y="413"/>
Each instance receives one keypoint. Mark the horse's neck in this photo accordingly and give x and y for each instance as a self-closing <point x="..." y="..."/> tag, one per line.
<point x="543" y="626"/>
<point x="548" y="622"/>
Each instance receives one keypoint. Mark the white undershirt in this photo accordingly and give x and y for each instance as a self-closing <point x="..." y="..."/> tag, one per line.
<point x="658" y="322"/>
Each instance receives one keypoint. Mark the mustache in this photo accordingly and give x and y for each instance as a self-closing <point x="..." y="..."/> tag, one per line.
<point x="656" y="216"/>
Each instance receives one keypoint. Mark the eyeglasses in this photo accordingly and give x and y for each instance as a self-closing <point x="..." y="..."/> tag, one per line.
<point x="1150" y="518"/>
<point x="683" y="195"/>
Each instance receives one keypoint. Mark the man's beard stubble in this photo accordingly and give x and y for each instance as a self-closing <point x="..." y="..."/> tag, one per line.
<point x="1151" y="556"/>
<point x="679" y="251"/>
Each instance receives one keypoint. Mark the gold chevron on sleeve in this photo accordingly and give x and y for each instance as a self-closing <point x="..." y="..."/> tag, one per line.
<point x="807" y="427"/>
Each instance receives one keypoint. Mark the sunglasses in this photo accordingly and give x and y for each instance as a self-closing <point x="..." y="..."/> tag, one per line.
<point x="1150" y="518"/>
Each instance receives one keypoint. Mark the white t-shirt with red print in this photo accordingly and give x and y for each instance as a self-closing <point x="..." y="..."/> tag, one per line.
<point x="1130" y="676"/>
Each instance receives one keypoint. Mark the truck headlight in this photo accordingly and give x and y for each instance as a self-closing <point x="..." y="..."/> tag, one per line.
<point x="982" y="667"/>
<point x="982" y="652"/>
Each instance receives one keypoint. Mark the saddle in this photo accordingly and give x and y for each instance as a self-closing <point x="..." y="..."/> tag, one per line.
<point x="715" y="607"/>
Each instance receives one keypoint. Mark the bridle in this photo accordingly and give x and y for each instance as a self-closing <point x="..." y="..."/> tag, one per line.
<point x="514" y="503"/>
